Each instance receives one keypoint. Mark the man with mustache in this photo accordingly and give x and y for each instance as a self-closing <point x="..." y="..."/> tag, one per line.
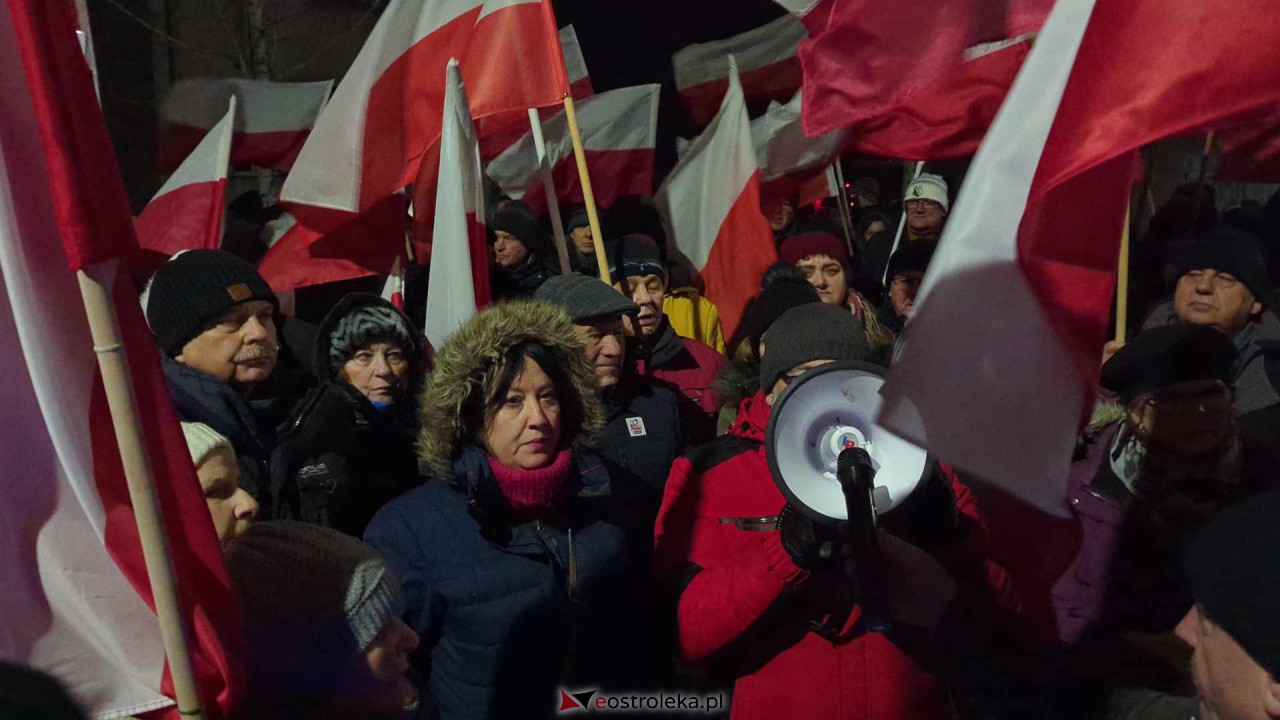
<point x="215" y="320"/>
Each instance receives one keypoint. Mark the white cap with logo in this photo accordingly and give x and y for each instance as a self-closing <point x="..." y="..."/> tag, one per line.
<point x="929" y="187"/>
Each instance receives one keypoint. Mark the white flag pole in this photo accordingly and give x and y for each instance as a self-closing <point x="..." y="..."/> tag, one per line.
<point x="902" y="223"/>
<point x="549" y="189"/>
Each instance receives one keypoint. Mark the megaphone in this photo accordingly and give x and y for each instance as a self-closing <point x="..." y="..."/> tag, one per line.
<point x="822" y="412"/>
<point x="834" y="463"/>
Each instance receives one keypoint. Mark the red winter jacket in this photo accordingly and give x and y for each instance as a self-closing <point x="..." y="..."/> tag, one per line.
<point x="746" y="606"/>
<point x="687" y="364"/>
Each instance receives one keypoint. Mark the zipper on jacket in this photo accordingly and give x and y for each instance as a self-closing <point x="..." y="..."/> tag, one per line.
<point x="573" y="570"/>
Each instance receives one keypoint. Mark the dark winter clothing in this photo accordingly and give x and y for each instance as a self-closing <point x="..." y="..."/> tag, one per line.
<point x="1169" y="355"/>
<point x="250" y="425"/>
<point x="585" y="298"/>
<point x="809" y="332"/>
<point x="635" y="254"/>
<point x="803" y="245"/>
<point x="691" y="368"/>
<point x="195" y="288"/>
<point x="745" y="608"/>
<point x="523" y="280"/>
<point x="763" y="309"/>
<point x="641" y="438"/>
<point x="518" y="219"/>
<point x="339" y="459"/>
<point x="914" y="257"/>
<point x="1231" y="250"/>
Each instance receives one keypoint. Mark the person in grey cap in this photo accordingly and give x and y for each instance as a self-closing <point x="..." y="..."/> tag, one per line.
<point x="322" y="619"/>
<point x="349" y="448"/>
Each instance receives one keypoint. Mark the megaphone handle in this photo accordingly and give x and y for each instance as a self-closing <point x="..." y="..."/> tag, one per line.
<point x="857" y="480"/>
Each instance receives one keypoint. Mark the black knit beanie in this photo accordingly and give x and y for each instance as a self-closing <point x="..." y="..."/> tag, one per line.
<point x="813" y="331"/>
<point x="195" y="288"/>
<point x="1169" y="355"/>
<point x="1231" y="250"/>
<point x="519" y="220"/>
<point x="635" y="254"/>
<point x="911" y="257"/>
<point x="769" y="305"/>
<point x="1234" y="573"/>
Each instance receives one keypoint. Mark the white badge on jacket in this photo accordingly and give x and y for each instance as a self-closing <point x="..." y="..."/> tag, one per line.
<point x="635" y="426"/>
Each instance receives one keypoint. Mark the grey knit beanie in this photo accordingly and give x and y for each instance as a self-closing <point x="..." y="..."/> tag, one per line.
<point x="302" y="584"/>
<point x="363" y="325"/>
<point x="814" y="331"/>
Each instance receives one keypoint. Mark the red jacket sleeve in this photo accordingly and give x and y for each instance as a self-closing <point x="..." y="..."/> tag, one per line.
<point x="970" y="562"/>
<point x="735" y="582"/>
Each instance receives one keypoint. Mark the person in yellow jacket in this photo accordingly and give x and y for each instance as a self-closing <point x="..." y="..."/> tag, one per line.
<point x="694" y="316"/>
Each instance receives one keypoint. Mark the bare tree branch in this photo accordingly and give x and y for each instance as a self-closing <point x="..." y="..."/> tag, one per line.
<point x="220" y="8"/>
<point x="169" y="38"/>
<point x="369" y="12"/>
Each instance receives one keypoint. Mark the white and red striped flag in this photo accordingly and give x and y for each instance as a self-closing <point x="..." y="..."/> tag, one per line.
<point x="272" y="121"/>
<point x="619" y="133"/>
<point x="711" y="201"/>
<point x="372" y="137"/>
<point x="458" y="283"/>
<point x="782" y="148"/>
<point x="1001" y="358"/>
<point x="76" y="594"/>
<point x="301" y="256"/>
<point x="188" y="211"/>
<point x="393" y="288"/>
<point x="767" y="65"/>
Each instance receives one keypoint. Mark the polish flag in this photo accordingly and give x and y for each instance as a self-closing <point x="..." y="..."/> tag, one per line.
<point x="272" y="122"/>
<point x="767" y="64"/>
<point x="301" y="256"/>
<point x="711" y="201"/>
<point x="393" y="288"/>
<point x="371" y="138"/>
<point x="619" y="132"/>
<point x="77" y="602"/>
<point x="1000" y="360"/>
<point x="782" y="148"/>
<point x="188" y="212"/>
<point x="458" y="283"/>
<point x="864" y="58"/>
<point x="493" y="142"/>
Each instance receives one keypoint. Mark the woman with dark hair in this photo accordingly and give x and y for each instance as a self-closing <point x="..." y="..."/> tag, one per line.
<point x="348" y="449"/>
<point x="511" y="579"/>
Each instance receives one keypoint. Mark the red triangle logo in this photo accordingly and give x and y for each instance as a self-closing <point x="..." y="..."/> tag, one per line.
<point x="567" y="702"/>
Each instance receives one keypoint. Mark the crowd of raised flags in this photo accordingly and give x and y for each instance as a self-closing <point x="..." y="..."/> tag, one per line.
<point x="403" y="164"/>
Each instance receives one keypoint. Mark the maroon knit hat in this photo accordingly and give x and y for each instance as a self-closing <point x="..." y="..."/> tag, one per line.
<point x="798" y="247"/>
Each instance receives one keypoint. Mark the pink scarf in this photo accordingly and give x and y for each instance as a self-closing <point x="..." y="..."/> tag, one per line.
<point x="531" y="492"/>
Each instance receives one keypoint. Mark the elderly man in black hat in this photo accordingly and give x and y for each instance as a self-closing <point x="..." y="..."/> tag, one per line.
<point x="1224" y="282"/>
<point x="1150" y="473"/>
<point x="216" y="321"/>
<point x="520" y="252"/>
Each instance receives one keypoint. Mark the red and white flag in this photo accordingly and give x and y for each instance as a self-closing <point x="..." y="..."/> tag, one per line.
<point x="393" y="288"/>
<point x="863" y="58"/>
<point x="76" y="600"/>
<point x="188" y="211"/>
<point x="711" y="201"/>
<point x="619" y="131"/>
<point x="767" y="66"/>
<point x="1000" y="361"/>
<point x="272" y="121"/>
<point x="301" y="256"/>
<point x="458" y="283"/>
<point x="782" y="148"/>
<point x="371" y="138"/>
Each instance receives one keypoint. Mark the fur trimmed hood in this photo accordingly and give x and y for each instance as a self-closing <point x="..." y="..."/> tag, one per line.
<point x="468" y="362"/>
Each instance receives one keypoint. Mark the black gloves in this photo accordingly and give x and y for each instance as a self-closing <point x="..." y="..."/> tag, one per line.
<point x="812" y="546"/>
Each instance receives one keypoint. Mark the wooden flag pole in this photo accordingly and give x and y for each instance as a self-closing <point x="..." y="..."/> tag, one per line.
<point x="96" y="283"/>
<point x="1122" y="281"/>
<point x="549" y="189"/>
<point x="588" y="197"/>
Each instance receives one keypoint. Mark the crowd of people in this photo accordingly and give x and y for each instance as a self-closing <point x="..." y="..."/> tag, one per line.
<point x="572" y="492"/>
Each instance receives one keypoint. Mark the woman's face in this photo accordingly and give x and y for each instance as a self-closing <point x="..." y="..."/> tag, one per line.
<point x="524" y="432"/>
<point x="379" y="371"/>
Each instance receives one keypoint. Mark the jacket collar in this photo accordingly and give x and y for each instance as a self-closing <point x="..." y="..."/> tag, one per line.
<point x="666" y="347"/>
<point x="201" y="397"/>
<point x="752" y="422"/>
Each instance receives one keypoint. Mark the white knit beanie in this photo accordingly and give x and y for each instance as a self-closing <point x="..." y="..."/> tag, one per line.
<point x="203" y="440"/>
<point x="929" y="187"/>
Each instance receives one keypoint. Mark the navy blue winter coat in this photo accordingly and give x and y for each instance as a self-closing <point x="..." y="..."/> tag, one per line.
<point x="508" y="615"/>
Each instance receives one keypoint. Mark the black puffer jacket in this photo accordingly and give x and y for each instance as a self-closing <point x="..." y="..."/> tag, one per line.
<point x="340" y="460"/>
<point x="523" y="280"/>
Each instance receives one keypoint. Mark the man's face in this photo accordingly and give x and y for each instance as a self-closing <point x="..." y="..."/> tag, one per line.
<point x="240" y="347"/>
<point x="827" y="276"/>
<point x="903" y="290"/>
<point x="230" y="505"/>
<point x="1188" y="419"/>
<point x="582" y="240"/>
<point x="647" y="291"/>
<point x="924" y="215"/>
<point x="508" y="251"/>
<point x="1230" y="683"/>
<point x="1218" y="299"/>
<point x="781" y="383"/>
<point x="781" y="215"/>
<point x="603" y="338"/>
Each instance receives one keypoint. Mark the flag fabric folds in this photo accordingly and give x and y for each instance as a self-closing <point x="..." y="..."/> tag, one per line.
<point x="74" y="552"/>
<point x="393" y="288"/>
<point x="273" y="119"/>
<point x="458" y="283"/>
<point x="711" y="201"/>
<point x="371" y="138"/>
<point x="575" y="64"/>
<point x="301" y="256"/>
<point x="188" y="211"/>
<point x="781" y="146"/>
<point x="767" y="66"/>
<point x="1000" y="360"/>
<point x="619" y="131"/>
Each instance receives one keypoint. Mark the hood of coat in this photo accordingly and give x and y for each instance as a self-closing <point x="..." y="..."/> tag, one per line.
<point x="752" y="422"/>
<point x="468" y="363"/>
<point x="349" y="302"/>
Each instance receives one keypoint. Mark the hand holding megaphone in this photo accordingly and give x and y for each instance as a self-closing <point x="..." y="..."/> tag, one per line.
<point x="918" y="589"/>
